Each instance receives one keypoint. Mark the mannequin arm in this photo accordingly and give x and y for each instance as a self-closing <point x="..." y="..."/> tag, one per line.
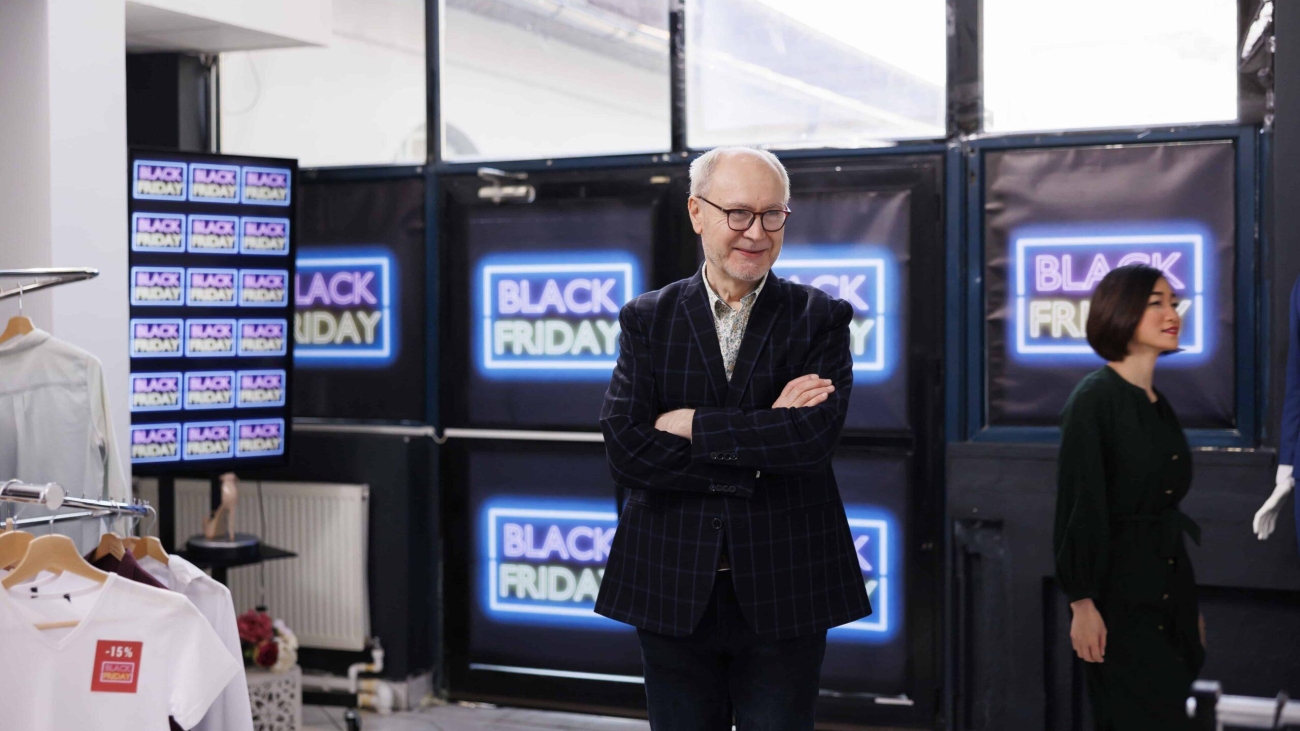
<point x="1266" y="518"/>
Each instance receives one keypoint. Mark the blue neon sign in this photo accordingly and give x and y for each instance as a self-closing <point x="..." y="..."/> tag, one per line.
<point x="158" y="180"/>
<point x="209" y="440"/>
<point x="157" y="286"/>
<point x="877" y="544"/>
<point x="545" y="561"/>
<point x="866" y="278"/>
<point x="552" y="316"/>
<point x="345" y="308"/>
<point x="1056" y="269"/>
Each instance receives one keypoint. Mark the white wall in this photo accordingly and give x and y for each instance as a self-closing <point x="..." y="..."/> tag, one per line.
<point x="63" y="191"/>
<point x="24" y="149"/>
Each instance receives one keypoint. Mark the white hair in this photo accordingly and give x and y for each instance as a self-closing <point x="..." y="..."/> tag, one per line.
<point x="703" y="166"/>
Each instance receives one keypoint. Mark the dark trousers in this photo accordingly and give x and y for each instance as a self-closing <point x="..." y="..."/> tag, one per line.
<point x="697" y="682"/>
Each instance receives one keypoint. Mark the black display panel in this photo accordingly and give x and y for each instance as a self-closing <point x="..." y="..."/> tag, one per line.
<point x="534" y="296"/>
<point x="855" y="245"/>
<point x="536" y="525"/>
<point x="1056" y="220"/>
<point x="211" y="266"/>
<point x="541" y="526"/>
<point x="359" y="323"/>
<point x="871" y="655"/>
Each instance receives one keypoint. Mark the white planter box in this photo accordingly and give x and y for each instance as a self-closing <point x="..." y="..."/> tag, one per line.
<point x="276" y="699"/>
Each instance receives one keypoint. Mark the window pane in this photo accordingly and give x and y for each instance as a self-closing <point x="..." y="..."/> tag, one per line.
<point x="1108" y="63"/>
<point x="361" y="100"/>
<point x="814" y="73"/>
<point x="524" y="79"/>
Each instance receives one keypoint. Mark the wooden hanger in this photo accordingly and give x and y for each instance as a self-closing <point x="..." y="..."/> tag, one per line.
<point x="13" y="546"/>
<point x="147" y="546"/>
<point x="110" y="543"/>
<point x="56" y="554"/>
<point x="18" y="324"/>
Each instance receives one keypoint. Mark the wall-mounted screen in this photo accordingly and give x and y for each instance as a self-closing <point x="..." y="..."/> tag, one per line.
<point x="211" y="261"/>
<point x="358" y="327"/>
<point x="540" y="527"/>
<point x="1057" y="221"/>
<point x="874" y="489"/>
<point x="538" y="288"/>
<point x="855" y="246"/>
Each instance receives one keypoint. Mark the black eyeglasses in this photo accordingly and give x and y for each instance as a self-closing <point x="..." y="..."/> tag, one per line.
<point x="739" y="219"/>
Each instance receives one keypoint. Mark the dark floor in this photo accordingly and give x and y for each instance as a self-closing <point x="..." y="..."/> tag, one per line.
<point x="468" y="718"/>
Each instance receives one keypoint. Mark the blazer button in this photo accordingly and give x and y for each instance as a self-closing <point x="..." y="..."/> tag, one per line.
<point x="1175" y="457"/>
<point x="717" y="523"/>
<point x="1169" y="492"/>
<point x="1171" y="562"/>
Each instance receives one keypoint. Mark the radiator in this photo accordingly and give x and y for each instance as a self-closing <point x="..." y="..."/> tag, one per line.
<point x="322" y="593"/>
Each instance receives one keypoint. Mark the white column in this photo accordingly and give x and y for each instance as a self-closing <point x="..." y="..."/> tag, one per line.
<point x="63" y="192"/>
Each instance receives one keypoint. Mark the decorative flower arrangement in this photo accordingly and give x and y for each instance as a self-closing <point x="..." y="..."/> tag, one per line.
<point x="267" y="643"/>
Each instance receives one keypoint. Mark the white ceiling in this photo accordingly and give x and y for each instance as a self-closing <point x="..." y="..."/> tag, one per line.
<point x="154" y="29"/>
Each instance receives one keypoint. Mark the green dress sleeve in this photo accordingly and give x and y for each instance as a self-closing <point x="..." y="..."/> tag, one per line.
<point x="1081" y="540"/>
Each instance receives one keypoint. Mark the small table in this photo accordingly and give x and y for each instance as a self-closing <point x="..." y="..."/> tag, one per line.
<point x="219" y="568"/>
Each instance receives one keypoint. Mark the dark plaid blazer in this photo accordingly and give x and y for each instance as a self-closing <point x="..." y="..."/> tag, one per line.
<point x="755" y="477"/>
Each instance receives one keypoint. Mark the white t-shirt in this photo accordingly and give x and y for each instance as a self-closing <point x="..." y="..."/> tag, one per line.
<point x="231" y="711"/>
<point x="139" y="655"/>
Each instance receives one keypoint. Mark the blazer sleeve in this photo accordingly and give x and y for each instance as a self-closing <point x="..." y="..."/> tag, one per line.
<point x="786" y="440"/>
<point x="1291" y="403"/>
<point x="640" y="456"/>
<point x="1081" y="536"/>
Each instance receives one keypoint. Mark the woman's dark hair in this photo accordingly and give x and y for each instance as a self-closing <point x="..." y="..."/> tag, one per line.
<point x="1117" y="307"/>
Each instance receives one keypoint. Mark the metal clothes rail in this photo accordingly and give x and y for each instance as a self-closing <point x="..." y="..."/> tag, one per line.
<point x="54" y="497"/>
<point x="45" y="278"/>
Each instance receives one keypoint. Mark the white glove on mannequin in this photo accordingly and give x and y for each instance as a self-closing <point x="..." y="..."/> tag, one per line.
<point x="1266" y="518"/>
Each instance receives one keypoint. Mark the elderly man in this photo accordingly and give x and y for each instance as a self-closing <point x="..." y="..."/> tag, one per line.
<point x="733" y="554"/>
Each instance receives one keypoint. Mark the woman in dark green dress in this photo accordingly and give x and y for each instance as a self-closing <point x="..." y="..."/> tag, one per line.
<point x="1120" y="554"/>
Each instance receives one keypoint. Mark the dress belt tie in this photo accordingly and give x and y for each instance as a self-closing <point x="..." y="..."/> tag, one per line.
<point x="1173" y="523"/>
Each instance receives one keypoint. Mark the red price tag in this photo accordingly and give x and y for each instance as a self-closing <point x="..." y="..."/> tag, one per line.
<point x="117" y="667"/>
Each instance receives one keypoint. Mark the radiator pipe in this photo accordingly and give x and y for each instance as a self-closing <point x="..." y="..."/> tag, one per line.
<point x="371" y="693"/>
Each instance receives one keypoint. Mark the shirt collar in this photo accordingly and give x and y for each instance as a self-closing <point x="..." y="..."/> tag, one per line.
<point x="183" y="572"/>
<point x="714" y="299"/>
<point x="24" y="342"/>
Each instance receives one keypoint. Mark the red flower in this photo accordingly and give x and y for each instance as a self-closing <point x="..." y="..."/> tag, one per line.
<point x="254" y="627"/>
<point x="266" y="653"/>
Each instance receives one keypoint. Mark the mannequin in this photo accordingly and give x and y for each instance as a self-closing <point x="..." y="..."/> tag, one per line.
<point x="1284" y="482"/>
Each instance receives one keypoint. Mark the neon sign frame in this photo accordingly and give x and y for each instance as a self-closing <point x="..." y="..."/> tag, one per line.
<point x="1197" y="241"/>
<point x="581" y="368"/>
<point x="877" y="263"/>
<point x="381" y="355"/>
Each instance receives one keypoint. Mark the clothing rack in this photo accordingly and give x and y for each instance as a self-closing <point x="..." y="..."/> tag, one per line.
<point x="53" y="497"/>
<point x="48" y="277"/>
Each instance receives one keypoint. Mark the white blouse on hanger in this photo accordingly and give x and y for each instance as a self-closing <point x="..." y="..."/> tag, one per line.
<point x="231" y="711"/>
<point x="54" y="419"/>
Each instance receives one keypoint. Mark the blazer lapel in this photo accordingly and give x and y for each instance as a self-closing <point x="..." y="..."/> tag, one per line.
<point x="705" y="331"/>
<point x="769" y="305"/>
